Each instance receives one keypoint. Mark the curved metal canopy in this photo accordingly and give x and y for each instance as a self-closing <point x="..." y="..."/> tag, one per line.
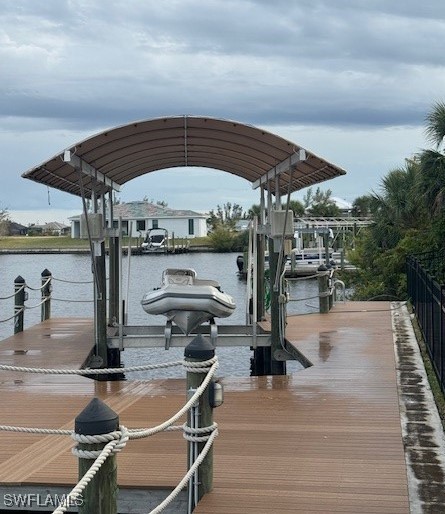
<point x="112" y="158"/>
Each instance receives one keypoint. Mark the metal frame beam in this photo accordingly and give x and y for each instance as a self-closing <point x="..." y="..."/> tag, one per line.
<point x="284" y="166"/>
<point x="78" y="163"/>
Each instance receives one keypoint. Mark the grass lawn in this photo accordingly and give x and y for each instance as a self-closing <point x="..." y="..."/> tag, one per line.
<point x="63" y="242"/>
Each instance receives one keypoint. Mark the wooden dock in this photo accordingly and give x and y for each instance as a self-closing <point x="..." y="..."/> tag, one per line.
<point x="327" y="439"/>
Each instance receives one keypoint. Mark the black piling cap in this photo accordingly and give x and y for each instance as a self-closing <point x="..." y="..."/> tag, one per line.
<point x="46" y="273"/>
<point x="200" y="349"/>
<point x="19" y="280"/>
<point x="322" y="267"/>
<point x="96" y="418"/>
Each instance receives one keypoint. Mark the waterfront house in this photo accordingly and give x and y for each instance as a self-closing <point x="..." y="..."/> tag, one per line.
<point x="16" y="229"/>
<point x="53" y="228"/>
<point x="139" y="217"/>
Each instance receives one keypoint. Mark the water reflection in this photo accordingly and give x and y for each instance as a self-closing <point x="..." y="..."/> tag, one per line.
<point x="324" y="345"/>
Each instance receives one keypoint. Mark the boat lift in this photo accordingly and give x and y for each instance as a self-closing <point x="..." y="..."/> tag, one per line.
<point x="251" y="334"/>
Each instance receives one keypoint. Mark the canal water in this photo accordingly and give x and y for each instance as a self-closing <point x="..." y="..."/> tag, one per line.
<point x="140" y="274"/>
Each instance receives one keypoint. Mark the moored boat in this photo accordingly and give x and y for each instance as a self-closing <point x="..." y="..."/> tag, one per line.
<point x="187" y="300"/>
<point x="155" y="241"/>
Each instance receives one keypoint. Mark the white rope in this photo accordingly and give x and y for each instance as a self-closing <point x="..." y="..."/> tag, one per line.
<point x="48" y="280"/>
<point x="187" y="476"/>
<point x="116" y="441"/>
<point x="86" y="479"/>
<point x="29" y="307"/>
<point x="296" y="279"/>
<point x="30" y="430"/>
<point x="89" y="371"/>
<point x="71" y="301"/>
<point x="121" y="436"/>
<point x="141" y="433"/>
<point x="73" y="281"/>
<point x="198" y="435"/>
<point x="111" y="448"/>
<point x="197" y="367"/>
<point x="304" y="299"/>
<point x="13" y="316"/>
<point x="13" y="294"/>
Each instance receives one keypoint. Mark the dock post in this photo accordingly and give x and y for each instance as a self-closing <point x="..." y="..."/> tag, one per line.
<point x="323" y="289"/>
<point x="330" y="283"/>
<point x="46" y="295"/>
<point x="201" y="415"/>
<point x="100" y="495"/>
<point x="19" y="304"/>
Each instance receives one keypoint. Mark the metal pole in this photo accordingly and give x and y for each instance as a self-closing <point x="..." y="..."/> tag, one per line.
<point x="275" y="367"/>
<point x="19" y="304"/>
<point x="261" y="248"/>
<point x="46" y="295"/>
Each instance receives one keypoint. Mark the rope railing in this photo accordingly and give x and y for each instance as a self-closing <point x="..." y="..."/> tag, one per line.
<point x="70" y="300"/>
<point x="88" y="371"/>
<point x="308" y="277"/>
<point x="44" y="284"/>
<point x="13" y="294"/>
<point x="29" y="307"/>
<point x="72" y="281"/>
<point x="13" y="316"/>
<point x="116" y="441"/>
<point x="20" y="296"/>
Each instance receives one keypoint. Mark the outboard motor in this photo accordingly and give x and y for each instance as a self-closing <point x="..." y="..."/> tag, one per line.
<point x="240" y="263"/>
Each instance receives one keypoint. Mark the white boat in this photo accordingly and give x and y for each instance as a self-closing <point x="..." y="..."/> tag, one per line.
<point x="155" y="241"/>
<point x="312" y="255"/>
<point x="187" y="300"/>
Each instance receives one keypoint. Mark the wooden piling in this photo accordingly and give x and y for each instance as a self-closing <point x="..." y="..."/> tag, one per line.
<point x="201" y="349"/>
<point x="100" y="496"/>
<point x="19" y="304"/>
<point x="46" y="295"/>
<point x="323" y="289"/>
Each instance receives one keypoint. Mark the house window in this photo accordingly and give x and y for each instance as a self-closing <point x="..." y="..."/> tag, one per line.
<point x="124" y="226"/>
<point x="155" y="224"/>
<point x="140" y="225"/>
<point x="191" y="227"/>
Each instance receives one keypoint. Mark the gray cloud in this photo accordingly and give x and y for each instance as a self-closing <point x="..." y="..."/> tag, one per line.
<point x="316" y="62"/>
<point x="70" y="68"/>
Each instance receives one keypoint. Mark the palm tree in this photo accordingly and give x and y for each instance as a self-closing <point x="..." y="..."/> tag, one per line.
<point x="399" y="207"/>
<point x="435" y="130"/>
<point x="432" y="162"/>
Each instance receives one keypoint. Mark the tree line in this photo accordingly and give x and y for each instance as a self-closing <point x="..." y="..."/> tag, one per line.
<point x="408" y="214"/>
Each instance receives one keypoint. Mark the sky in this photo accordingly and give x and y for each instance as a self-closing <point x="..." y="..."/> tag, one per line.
<point x="350" y="80"/>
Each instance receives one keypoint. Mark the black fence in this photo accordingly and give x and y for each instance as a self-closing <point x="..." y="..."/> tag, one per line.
<point x="427" y="292"/>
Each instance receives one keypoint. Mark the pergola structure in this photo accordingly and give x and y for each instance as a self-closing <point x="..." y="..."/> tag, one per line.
<point x="96" y="166"/>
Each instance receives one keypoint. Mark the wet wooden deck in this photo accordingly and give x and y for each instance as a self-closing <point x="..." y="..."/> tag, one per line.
<point x="326" y="439"/>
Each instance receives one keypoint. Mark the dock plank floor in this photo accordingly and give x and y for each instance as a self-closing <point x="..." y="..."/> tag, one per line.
<point x="326" y="439"/>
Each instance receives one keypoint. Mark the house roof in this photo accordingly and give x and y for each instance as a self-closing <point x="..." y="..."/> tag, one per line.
<point x="341" y="203"/>
<point x="52" y="225"/>
<point x="16" y="226"/>
<point x="142" y="210"/>
<point x="113" y="157"/>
